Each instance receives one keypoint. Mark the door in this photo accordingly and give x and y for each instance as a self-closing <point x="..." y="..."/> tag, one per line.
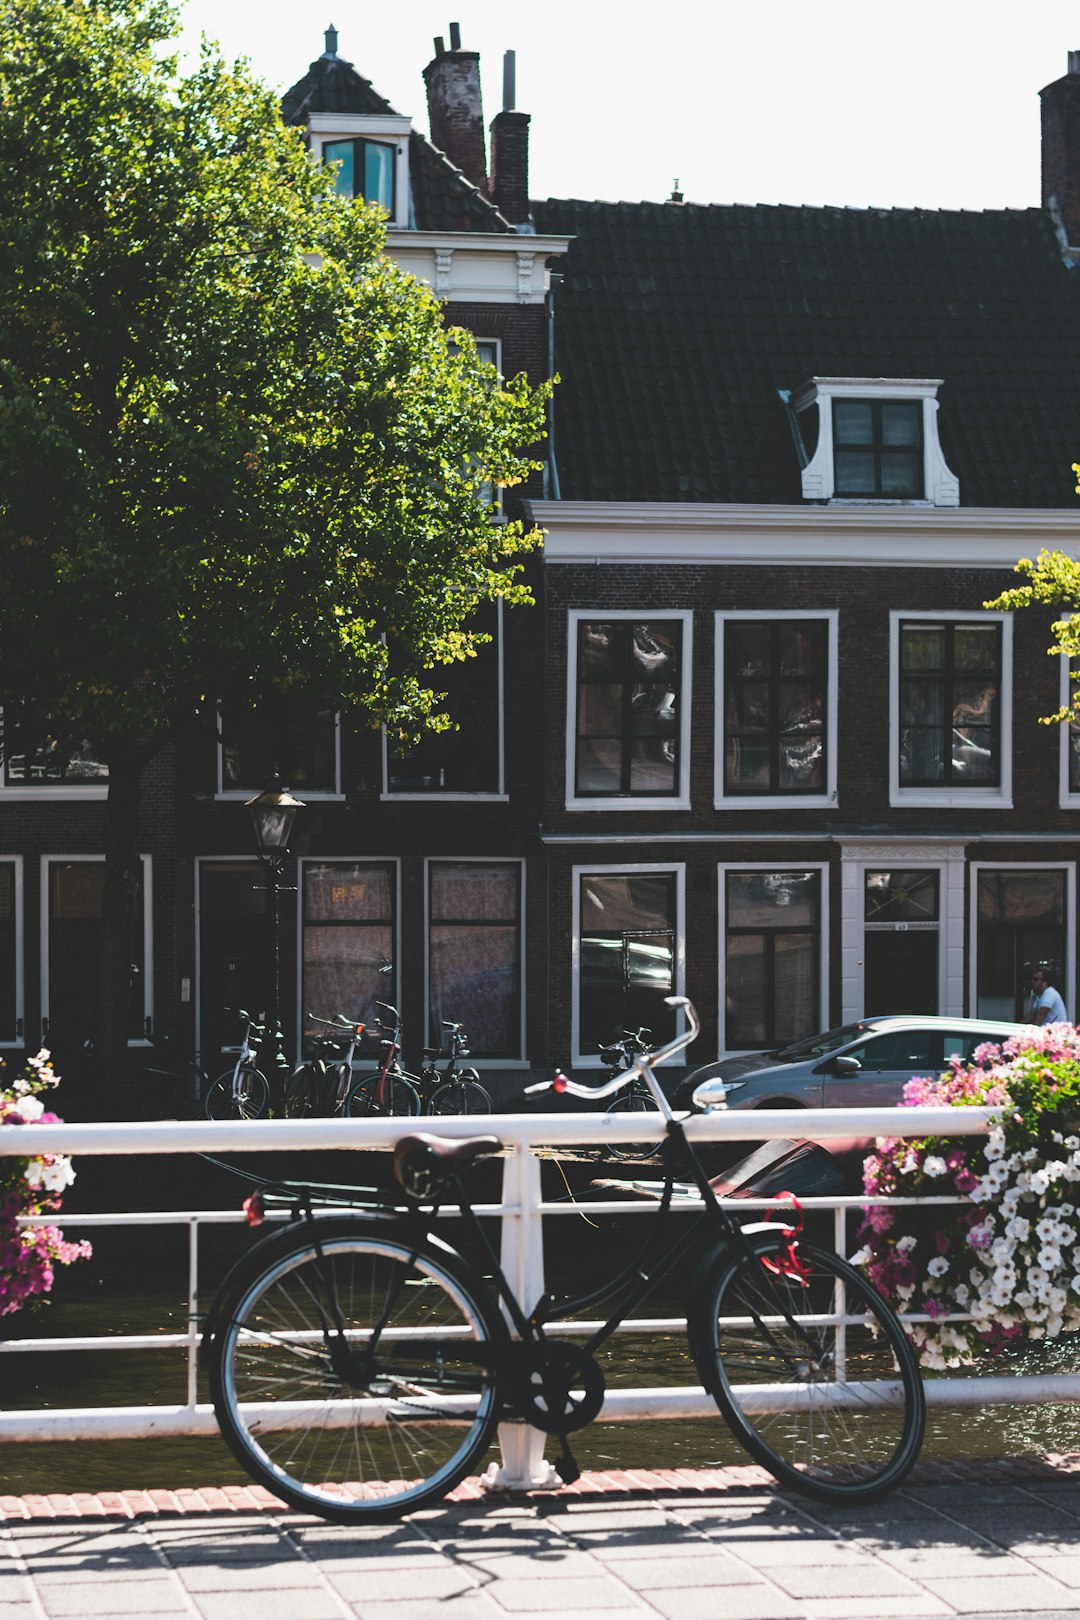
<point x="234" y="954"/>
<point x="900" y="971"/>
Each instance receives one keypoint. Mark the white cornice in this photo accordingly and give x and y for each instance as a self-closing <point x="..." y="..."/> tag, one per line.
<point x="468" y="267"/>
<point x="869" y="536"/>
<point x="479" y="241"/>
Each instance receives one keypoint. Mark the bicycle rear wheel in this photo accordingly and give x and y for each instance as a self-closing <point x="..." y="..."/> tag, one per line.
<point x="377" y="1419"/>
<point x="237" y="1096"/>
<point x="462" y="1095"/>
<point x="636" y="1102"/>
<point x="376" y="1096"/>
<point x="815" y="1375"/>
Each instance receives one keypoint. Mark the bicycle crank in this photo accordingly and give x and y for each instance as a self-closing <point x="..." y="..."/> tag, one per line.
<point x="559" y="1387"/>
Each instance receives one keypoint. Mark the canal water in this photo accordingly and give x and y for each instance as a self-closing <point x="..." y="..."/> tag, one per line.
<point x="136" y="1283"/>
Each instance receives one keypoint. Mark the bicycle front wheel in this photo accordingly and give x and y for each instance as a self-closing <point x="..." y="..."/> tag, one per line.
<point x="462" y="1095"/>
<point x="636" y="1102"/>
<point x="814" y="1374"/>
<point x="355" y="1380"/>
<point x="376" y="1096"/>
<point x="237" y="1096"/>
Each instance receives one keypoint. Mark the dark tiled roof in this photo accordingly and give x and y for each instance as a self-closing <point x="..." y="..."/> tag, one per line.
<point x="677" y="325"/>
<point x="443" y="199"/>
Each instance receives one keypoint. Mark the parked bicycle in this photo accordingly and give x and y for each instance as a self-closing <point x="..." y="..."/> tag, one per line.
<point x="636" y="1099"/>
<point x="242" y="1092"/>
<point x="359" y="1365"/>
<point x="390" y="1090"/>
<point x="454" y="1089"/>
<point x="320" y="1087"/>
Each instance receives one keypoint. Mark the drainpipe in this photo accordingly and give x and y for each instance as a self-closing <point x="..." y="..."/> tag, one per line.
<point x="552" y="467"/>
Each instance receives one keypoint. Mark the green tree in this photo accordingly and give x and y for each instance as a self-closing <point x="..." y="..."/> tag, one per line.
<point x="237" y="453"/>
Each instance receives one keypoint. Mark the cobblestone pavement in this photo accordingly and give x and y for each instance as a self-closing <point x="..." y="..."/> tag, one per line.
<point x="730" y="1550"/>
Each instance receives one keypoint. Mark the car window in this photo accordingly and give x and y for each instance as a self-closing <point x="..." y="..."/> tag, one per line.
<point x="815" y="1046"/>
<point x="899" y="1049"/>
<point x="962" y="1043"/>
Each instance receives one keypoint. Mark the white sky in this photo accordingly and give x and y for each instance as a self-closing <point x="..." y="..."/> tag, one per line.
<point x="929" y="103"/>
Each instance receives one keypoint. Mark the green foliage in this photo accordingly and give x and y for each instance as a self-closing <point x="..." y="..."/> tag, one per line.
<point x="1053" y="581"/>
<point x="236" y="450"/>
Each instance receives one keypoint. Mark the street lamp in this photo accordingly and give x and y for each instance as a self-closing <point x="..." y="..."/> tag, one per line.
<point x="272" y="814"/>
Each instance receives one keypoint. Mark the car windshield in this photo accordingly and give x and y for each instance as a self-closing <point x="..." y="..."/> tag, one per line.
<point x="816" y="1046"/>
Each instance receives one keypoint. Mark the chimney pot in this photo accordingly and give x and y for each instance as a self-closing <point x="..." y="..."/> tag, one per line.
<point x="330" y="39"/>
<point x="509" y="76"/>
<point x="455" y="36"/>
<point x="440" y="48"/>
<point x="1074" y="61"/>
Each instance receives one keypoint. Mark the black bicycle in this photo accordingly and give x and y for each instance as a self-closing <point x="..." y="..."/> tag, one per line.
<point x="636" y="1098"/>
<point x="359" y="1364"/>
<point x="455" y="1089"/>
<point x="319" y="1088"/>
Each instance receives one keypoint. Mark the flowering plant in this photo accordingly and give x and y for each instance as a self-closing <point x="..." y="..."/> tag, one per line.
<point x="1011" y="1256"/>
<point x="31" y="1186"/>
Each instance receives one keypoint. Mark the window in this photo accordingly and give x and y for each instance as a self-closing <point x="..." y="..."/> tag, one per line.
<point x="11" y="951"/>
<point x="778" y="701"/>
<point x="468" y="759"/>
<point x="365" y="169"/>
<point x="1021" y="922"/>
<point x="773" y="924"/>
<point x="877" y="440"/>
<point x="71" y="945"/>
<point x="629" y="954"/>
<point x="1070" y="735"/>
<point x="951" y="708"/>
<point x="628" y="692"/>
<point x="287" y="737"/>
<point x="474" y="954"/>
<point x="76" y="771"/>
<point x="349" y="934"/>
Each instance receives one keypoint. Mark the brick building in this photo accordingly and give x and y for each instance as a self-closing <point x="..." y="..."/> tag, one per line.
<point x="760" y="741"/>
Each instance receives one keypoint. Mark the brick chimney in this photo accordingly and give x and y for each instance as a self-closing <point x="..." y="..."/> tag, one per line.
<point x="455" y="111"/>
<point x="1061" y="148"/>
<point x="510" y="153"/>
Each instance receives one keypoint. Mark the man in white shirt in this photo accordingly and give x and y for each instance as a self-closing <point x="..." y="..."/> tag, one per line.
<point x="1047" y="1006"/>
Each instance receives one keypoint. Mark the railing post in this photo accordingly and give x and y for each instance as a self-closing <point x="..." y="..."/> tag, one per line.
<point x="523" y="1466"/>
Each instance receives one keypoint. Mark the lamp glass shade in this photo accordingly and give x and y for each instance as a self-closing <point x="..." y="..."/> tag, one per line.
<point x="272" y="815"/>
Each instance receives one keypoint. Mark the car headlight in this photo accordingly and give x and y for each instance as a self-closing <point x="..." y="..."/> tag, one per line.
<point x="713" y="1094"/>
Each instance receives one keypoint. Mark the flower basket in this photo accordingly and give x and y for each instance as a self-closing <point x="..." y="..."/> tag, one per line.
<point x="31" y="1186"/>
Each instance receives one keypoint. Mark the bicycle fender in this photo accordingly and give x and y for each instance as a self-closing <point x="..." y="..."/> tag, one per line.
<point x="717" y="1258"/>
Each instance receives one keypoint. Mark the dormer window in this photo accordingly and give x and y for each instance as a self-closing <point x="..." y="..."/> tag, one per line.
<point x="365" y="169"/>
<point x="877" y="441"/>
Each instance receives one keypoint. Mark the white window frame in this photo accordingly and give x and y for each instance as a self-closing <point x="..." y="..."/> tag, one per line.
<point x="779" y="801"/>
<point x="305" y="861"/>
<point x="389" y="128"/>
<point x="941" y="487"/>
<point x="82" y="859"/>
<point x="1069" y="868"/>
<point x="951" y="797"/>
<point x="722" y="870"/>
<point x="1067" y="798"/>
<point x="676" y="801"/>
<point x="243" y="795"/>
<point x="521" y="1061"/>
<point x="593" y="1060"/>
<point x="23" y="1039"/>
<point x="500" y="796"/>
<point x="54" y="791"/>
<point x="949" y="861"/>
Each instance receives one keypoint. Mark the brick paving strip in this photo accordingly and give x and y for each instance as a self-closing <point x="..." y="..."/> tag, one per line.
<point x="974" y="1540"/>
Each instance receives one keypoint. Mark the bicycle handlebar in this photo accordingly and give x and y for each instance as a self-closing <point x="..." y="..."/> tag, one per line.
<point x="338" y="1022"/>
<point x="642" y="1061"/>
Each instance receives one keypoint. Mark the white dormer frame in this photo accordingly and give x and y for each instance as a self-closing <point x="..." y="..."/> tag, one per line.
<point x="941" y="487"/>
<point x="390" y="128"/>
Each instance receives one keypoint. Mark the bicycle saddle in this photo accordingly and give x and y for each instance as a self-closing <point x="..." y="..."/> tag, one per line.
<point x="422" y="1161"/>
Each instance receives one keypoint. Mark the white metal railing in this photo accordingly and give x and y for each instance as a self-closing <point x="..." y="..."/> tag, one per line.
<point x="522" y="1209"/>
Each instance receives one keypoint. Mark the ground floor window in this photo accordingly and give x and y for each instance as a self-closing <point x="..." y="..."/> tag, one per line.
<point x="74" y="895"/>
<point x="627" y="964"/>
<point x="349" y="932"/>
<point x="1021" y="924"/>
<point x="474" y="954"/>
<point x="772" y="957"/>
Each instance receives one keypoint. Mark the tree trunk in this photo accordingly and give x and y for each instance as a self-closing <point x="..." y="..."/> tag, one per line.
<point x="117" y="961"/>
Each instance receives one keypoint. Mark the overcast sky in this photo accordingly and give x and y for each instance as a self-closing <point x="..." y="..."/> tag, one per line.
<point x="933" y="103"/>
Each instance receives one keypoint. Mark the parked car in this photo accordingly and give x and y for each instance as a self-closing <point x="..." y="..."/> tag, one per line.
<point x="864" y="1064"/>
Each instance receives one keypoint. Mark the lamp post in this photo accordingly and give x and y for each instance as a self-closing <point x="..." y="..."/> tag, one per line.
<point x="272" y="814"/>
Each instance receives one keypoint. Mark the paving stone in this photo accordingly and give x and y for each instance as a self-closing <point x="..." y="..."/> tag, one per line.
<point x="856" y="1608"/>
<point x="209" y="1576"/>
<point x="647" y="1574"/>
<point x="945" y="1561"/>
<point x="660" y="1552"/>
<point x="1063" y="1567"/>
<point x="294" y="1604"/>
<point x="473" y="1606"/>
<point x="112" y="1597"/>
<point x="869" y="1579"/>
<point x="560" y="1564"/>
<point x="769" y="1552"/>
<point x="391" y="1584"/>
<point x="751" y="1602"/>
<point x="574" y="1595"/>
<point x="974" y="1594"/>
<point x="611" y="1519"/>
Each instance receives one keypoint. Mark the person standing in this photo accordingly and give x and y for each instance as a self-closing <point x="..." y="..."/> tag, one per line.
<point x="1047" y="1006"/>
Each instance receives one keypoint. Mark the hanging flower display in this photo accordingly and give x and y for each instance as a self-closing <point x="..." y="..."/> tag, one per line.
<point x="31" y="1186"/>
<point x="1011" y="1256"/>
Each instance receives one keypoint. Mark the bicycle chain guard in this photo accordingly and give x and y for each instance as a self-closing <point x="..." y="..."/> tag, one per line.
<point x="558" y="1386"/>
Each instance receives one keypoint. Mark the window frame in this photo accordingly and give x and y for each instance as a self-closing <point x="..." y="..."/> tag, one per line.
<point x="680" y="799"/>
<point x="1065" y="990"/>
<point x="83" y="859"/>
<point x="593" y="1060"/>
<point x="21" y="1038"/>
<point x="1068" y="798"/>
<point x="770" y="867"/>
<point x="359" y="144"/>
<point x="829" y="799"/>
<point x="949" y="796"/>
<point x="51" y="791"/>
<point x="430" y="861"/>
<point x="443" y="796"/>
<point x="365" y="1058"/>
<point x="242" y="795"/>
<point x="389" y="129"/>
